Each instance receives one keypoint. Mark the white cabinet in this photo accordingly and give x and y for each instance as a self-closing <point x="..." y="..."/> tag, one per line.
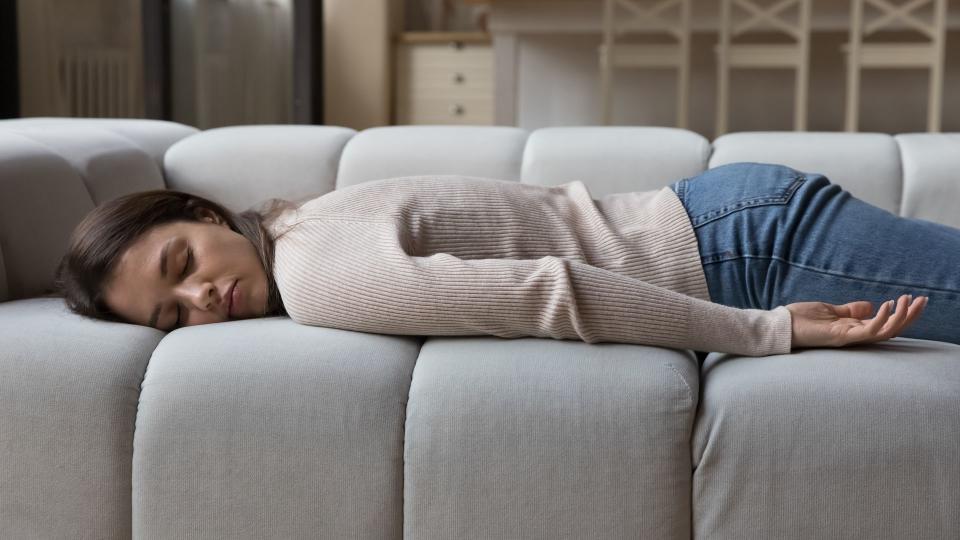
<point x="443" y="78"/>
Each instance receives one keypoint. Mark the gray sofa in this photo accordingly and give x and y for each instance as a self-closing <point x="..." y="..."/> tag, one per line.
<point x="270" y="429"/>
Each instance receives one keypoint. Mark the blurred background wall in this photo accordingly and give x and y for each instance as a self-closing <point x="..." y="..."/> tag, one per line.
<point x="211" y="63"/>
<point x="231" y="62"/>
<point x="80" y="58"/>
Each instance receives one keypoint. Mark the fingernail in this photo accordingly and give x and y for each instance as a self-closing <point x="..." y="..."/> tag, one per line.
<point x="909" y="298"/>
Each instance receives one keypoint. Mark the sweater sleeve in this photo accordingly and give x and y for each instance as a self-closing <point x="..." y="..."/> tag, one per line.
<point x="560" y="298"/>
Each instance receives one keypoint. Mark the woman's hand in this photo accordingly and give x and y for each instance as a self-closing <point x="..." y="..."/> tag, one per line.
<point x="818" y="324"/>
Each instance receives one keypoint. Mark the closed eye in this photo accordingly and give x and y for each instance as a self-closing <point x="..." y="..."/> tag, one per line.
<point x="186" y="265"/>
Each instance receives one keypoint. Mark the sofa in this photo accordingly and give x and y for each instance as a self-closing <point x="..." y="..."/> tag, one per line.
<point x="265" y="428"/>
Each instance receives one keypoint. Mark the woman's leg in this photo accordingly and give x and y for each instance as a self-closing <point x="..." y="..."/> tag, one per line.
<point x="771" y="235"/>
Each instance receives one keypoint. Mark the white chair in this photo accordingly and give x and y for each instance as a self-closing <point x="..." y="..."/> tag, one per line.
<point x="763" y="55"/>
<point x="916" y="54"/>
<point x="648" y="20"/>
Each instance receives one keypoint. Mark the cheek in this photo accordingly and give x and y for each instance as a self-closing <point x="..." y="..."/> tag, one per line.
<point x="235" y="255"/>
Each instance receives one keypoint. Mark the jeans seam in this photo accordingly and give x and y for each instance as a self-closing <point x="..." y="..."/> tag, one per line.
<point x="783" y="199"/>
<point x="682" y="191"/>
<point x="832" y="272"/>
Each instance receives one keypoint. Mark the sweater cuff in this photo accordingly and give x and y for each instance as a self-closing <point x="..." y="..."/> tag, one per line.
<point x="751" y="332"/>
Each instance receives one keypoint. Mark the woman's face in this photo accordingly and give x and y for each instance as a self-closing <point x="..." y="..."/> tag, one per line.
<point x="143" y="291"/>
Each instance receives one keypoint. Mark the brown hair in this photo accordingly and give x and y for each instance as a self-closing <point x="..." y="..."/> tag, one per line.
<point x="98" y="241"/>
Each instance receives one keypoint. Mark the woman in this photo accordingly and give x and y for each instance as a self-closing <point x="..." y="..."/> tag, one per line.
<point x="746" y="258"/>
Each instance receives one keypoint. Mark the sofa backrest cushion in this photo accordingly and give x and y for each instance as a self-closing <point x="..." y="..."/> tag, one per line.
<point x="388" y="151"/>
<point x="614" y="159"/>
<point x="151" y="136"/>
<point x="54" y="171"/>
<point x="42" y="198"/>
<point x="931" y="176"/>
<point x="865" y="164"/>
<point x="110" y="165"/>
<point x="49" y="178"/>
<point x="241" y="166"/>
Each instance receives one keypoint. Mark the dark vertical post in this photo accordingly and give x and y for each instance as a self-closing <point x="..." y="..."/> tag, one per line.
<point x="156" y="58"/>
<point x="308" y="61"/>
<point x="9" y="63"/>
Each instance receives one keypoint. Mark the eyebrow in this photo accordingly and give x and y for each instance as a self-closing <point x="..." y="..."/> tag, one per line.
<point x="163" y="273"/>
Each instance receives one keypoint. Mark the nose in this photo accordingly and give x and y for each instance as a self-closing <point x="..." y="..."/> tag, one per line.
<point x="199" y="295"/>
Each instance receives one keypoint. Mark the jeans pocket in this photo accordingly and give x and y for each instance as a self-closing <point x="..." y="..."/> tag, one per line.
<point x="730" y="188"/>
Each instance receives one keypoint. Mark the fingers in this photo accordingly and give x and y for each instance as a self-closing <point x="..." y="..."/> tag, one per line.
<point x="896" y="321"/>
<point x="916" y="308"/>
<point x="889" y="322"/>
<point x="873" y="326"/>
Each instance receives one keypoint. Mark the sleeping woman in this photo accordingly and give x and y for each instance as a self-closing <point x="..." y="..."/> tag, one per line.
<point x="747" y="258"/>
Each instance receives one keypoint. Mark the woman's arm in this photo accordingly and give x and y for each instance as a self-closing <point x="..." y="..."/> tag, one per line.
<point x="359" y="279"/>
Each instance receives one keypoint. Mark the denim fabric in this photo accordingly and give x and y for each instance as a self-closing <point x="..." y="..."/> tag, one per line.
<point x="771" y="235"/>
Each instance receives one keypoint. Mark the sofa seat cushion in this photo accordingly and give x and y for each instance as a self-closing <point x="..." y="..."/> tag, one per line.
<point x="858" y="442"/>
<point x="539" y="438"/>
<point x="68" y="401"/>
<point x="264" y="428"/>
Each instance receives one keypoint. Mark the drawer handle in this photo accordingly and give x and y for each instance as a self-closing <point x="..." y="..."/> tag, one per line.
<point x="458" y="77"/>
<point x="456" y="44"/>
<point x="456" y="109"/>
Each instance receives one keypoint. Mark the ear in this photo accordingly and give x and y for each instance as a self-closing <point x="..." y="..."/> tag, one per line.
<point x="207" y="215"/>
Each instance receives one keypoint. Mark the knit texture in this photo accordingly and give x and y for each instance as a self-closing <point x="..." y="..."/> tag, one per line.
<point x="463" y="255"/>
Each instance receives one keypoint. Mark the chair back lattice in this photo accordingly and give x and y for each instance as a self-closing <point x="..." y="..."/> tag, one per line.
<point x="646" y="19"/>
<point x="890" y="14"/>
<point x="621" y="17"/>
<point x="927" y="53"/>
<point x="769" y="17"/>
<point x="761" y="17"/>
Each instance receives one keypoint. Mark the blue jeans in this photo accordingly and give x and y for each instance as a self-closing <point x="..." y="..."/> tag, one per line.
<point x="770" y="235"/>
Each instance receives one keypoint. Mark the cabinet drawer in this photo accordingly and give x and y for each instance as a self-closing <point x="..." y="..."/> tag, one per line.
<point x="439" y="54"/>
<point x="415" y="78"/>
<point x="443" y="91"/>
<point x="444" y="82"/>
<point x="418" y="67"/>
<point x="445" y="111"/>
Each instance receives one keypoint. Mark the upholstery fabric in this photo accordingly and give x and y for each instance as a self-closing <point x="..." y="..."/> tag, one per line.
<point x="42" y="198"/>
<point x="931" y="176"/>
<point x="53" y="171"/>
<point x="380" y="152"/>
<point x="614" y="159"/>
<point x="68" y="402"/>
<point x="153" y="136"/>
<point x="109" y="164"/>
<point x="865" y="164"/>
<point x="526" y="438"/>
<point x="862" y="443"/>
<point x="263" y="428"/>
<point x="266" y="428"/>
<point x="241" y="166"/>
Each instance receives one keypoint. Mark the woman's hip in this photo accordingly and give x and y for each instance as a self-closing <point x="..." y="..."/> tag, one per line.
<point x="755" y="220"/>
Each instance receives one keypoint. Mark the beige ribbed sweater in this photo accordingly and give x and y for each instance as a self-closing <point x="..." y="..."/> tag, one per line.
<point x="463" y="255"/>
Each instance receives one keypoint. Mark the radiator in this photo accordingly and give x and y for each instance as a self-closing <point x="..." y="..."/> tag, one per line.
<point x="97" y="82"/>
